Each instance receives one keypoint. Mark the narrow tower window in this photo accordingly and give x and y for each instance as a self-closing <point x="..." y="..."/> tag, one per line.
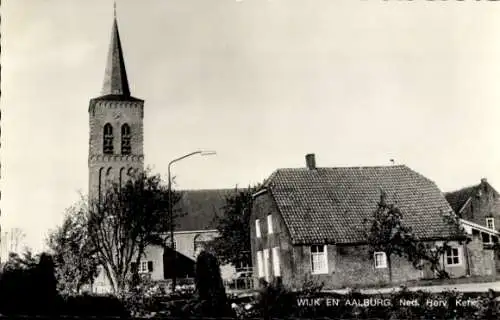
<point x="126" y="148"/>
<point x="107" y="146"/>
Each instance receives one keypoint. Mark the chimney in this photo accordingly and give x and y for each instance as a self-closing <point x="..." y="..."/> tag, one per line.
<point x="310" y="161"/>
<point x="484" y="184"/>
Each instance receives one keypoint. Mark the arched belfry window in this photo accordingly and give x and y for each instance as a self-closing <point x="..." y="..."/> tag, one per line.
<point x="126" y="148"/>
<point x="107" y="146"/>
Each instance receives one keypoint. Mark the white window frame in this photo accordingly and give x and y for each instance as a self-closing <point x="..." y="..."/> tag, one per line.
<point x="383" y="262"/>
<point x="266" y="264"/>
<point x="143" y="267"/>
<point x="269" y="224"/>
<point x="260" y="264"/>
<point x="276" y="262"/>
<point x="458" y="255"/>
<point x="322" y="255"/>
<point x="492" y="221"/>
<point x="257" y="228"/>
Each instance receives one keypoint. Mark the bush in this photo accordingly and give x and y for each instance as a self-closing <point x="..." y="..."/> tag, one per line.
<point x="29" y="288"/>
<point x="281" y="303"/>
<point x="210" y="298"/>
<point x="92" y="305"/>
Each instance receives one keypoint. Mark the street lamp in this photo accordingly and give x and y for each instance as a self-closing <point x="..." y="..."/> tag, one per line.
<point x="170" y="212"/>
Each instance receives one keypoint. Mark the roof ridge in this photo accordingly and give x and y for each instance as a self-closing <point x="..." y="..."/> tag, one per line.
<point x="347" y="167"/>
<point x="211" y="189"/>
<point x="463" y="189"/>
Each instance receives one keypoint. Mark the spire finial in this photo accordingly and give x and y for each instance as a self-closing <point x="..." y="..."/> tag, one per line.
<point x="114" y="9"/>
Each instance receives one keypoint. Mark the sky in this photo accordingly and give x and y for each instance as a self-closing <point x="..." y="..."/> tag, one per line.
<point x="261" y="82"/>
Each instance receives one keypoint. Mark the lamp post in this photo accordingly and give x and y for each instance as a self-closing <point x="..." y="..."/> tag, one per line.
<point x="170" y="211"/>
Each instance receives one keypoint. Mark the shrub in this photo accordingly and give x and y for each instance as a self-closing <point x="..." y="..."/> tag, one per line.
<point x="210" y="298"/>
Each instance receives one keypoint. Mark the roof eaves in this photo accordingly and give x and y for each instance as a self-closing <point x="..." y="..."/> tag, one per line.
<point x="465" y="205"/>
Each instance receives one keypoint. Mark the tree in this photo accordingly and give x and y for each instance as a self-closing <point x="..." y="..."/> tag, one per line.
<point x="28" y="285"/>
<point x="233" y="243"/>
<point x="210" y="299"/>
<point x="25" y="261"/>
<point x="387" y="233"/>
<point x="75" y="257"/>
<point x="11" y="241"/>
<point x="125" y="221"/>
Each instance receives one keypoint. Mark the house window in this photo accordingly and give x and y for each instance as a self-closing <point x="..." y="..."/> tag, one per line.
<point x="199" y="245"/>
<point x="257" y="228"/>
<point x="486" y="237"/>
<point x="490" y="223"/>
<point x="380" y="260"/>
<point x="276" y="261"/>
<point x="319" y="259"/>
<point x="107" y="146"/>
<point x="145" y="266"/>
<point x="260" y="264"/>
<point x="452" y="257"/>
<point x="269" y="224"/>
<point x="126" y="137"/>
<point x="266" y="264"/>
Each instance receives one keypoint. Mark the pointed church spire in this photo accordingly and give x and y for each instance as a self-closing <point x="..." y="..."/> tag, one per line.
<point x="115" y="76"/>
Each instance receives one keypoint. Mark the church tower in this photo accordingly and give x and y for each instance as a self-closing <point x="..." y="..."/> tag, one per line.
<point x="116" y="125"/>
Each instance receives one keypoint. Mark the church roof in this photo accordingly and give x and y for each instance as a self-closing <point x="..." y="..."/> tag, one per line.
<point x="115" y="85"/>
<point x="199" y="209"/>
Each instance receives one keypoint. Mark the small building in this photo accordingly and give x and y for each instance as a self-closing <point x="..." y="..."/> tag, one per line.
<point x="308" y="224"/>
<point x="478" y="207"/>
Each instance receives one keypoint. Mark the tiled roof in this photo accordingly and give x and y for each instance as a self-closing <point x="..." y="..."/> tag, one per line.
<point x="199" y="208"/>
<point x="330" y="204"/>
<point x="457" y="199"/>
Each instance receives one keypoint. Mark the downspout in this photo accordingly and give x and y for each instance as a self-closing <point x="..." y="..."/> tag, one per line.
<point x="467" y="259"/>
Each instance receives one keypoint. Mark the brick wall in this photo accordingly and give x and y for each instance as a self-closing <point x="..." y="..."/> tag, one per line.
<point x="482" y="261"/>
<point x="262" y="206"/>
<point x="113" y="167"/>
<point x="484" y="203"/>
<point x="347" y="265"/>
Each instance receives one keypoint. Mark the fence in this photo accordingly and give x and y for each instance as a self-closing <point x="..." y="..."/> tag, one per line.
<point x="238" y="284"/>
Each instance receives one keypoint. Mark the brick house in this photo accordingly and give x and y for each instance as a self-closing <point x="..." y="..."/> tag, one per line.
<point x="479" y="208"/>
<point x="308" y="224"/>
<point x="194" y="228"/>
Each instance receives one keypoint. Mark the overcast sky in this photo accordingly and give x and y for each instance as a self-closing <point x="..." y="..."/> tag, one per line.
<point x="262" y="82"/>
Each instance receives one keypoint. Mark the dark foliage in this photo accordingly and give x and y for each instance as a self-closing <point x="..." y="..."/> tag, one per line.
<point x="233" y="244"/>
<point x="279" y="303"/>
<point x="210" y="298"/>
<point x="74" y="256"/>
<point x="94" y="306"/>
<point x="28" y="287"/>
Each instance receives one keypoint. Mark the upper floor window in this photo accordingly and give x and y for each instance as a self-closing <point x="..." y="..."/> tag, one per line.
<point x="107" y="146"/>
<point x="452" y="256"/>
<point x="257" y="228"/>
<point x="380" y="260"/>
<point x="490" y="223"/>
<point x="126" y="137"/>
<point x="319" y="259"/>
<point x="198" y="244"/>
<point x="269" y="224"/>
